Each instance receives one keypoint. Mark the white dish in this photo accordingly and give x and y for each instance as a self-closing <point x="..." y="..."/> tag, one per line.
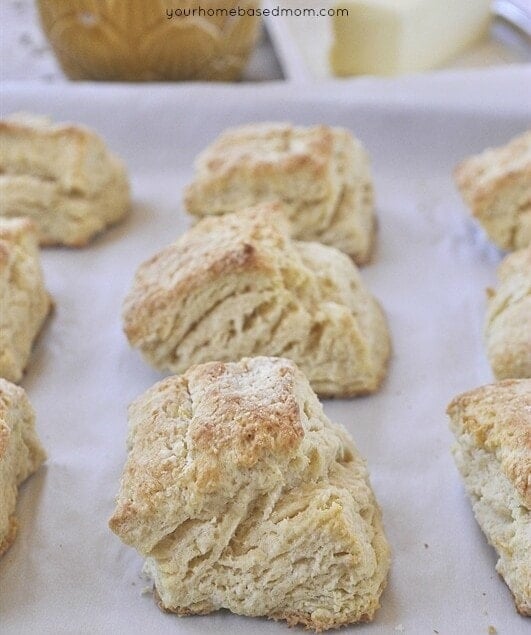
<point x="302" y="44"/>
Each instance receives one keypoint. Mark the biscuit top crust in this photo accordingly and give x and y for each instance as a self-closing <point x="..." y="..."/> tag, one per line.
<point x="72" y="155"/>
<point x="243" y="410"/>
<point x="247" y="408"/>
<point x="10" y="396"/>
<point x="38" y="127"/>
<point x="276" y="147"/>
<point x="498" y="417"/>
<point x="479" y="175"/>
<point x="268" y="161"/>
<point x="197" y="439"/>
<point x="250" y="241"/>
<point x="214" y="246"/>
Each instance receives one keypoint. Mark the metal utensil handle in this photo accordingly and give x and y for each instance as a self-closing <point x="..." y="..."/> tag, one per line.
<point x="516" y="12"/>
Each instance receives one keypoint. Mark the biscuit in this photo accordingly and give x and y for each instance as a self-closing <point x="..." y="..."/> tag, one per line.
<point x="241" y="494"/>
<point x="492" y="426"/>
<point x="496" y="185"/>
<point x="20" y="454"/>
<point x="508" y="323"/>
<point x="24" y="302"/>
<point x="237" y="285"/>
<point x="62" y="177"/>
<point x="320" y="174"/>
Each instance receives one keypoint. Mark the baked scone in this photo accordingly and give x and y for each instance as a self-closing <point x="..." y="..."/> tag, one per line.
<point x="241" y="494"/>
<point x="492" y="425"/>
<point x="237" y="285"/>
<point x="61" y="176"/>
<point x="508" y="324"/>
<point x="24" y="301"/>
<point x="496" y="185"/>
<point x="20" y="454"/>
<point x="321" y="174"/>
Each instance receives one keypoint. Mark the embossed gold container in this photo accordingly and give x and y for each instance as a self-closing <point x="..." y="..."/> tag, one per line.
<point x="150" y="40"/>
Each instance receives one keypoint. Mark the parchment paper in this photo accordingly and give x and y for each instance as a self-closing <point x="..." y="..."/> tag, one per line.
<point x="66" y="572"/>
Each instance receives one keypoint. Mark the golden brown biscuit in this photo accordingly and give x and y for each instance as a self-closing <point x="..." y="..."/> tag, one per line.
<point x="237" y="285"/>
<point x="241" y="494"/>
<point x="492" y="426"/>
<point x="62" y="177"/>
<point x="508" y="323"/>
<point x="320" y="174"/>
<point x="24" y="302"/>
<point x="496" y="185"/>
<point x="20" y="454"/>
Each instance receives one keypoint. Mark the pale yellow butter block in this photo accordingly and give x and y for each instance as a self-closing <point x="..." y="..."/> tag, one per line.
<point x="386" y="37"/>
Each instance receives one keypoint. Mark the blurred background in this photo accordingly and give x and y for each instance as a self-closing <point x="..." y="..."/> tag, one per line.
<point x="137" y="40"/>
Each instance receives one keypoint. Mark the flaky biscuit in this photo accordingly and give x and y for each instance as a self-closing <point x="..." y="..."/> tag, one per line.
<point x="24" y="301"/>
<point x="508" y="322"/>
<point x="241" y="494"/>
<point x="62" y="177"/>
<point x="496" y="185"/>
<point x="492" y="426"/>
<point x="320" y="174"/>
<point x="20" y="454"/>
<point x="237" y="285"/>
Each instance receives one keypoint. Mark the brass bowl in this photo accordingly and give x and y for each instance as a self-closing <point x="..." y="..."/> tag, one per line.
<point x="136" y="40"/>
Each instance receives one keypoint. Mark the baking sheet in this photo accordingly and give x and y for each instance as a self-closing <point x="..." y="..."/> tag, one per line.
<point x="302" y="44"/>
<point x="66" y="572"/>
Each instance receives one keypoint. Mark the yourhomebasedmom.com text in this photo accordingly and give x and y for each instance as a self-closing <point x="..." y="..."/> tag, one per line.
<point x="238" y="11"/>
